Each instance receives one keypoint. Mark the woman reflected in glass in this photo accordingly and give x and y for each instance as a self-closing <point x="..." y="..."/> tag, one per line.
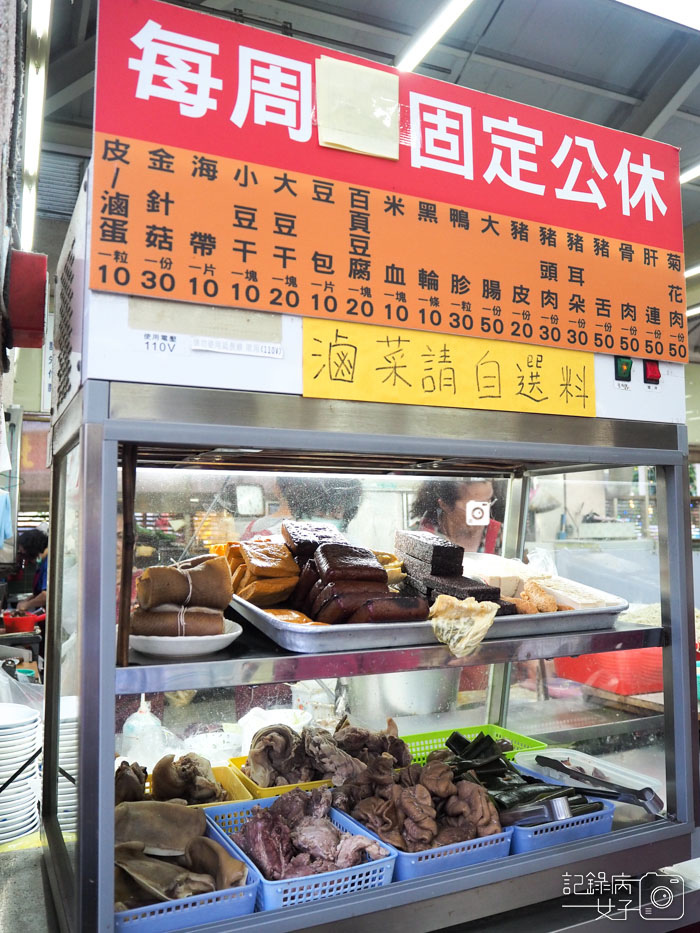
<point x="461" y="511"/>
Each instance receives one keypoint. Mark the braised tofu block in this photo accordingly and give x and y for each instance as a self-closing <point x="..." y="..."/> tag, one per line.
<point x="307" y="606"/>
<point x="304" y="537"/>
<point x="392" y="609"/>
<point x="344" y="599"/>
<point x="347" y="562"/>
<point x="458" y="586"/>
<point x="267" y="559"/>
<point x="462" y="587"/>
<point x="307" y="578"/>
<point x="268" y="591"/>
<point x="443" y="557"/>
<point x="364" y="588"/>
<point x="505" y="607"/>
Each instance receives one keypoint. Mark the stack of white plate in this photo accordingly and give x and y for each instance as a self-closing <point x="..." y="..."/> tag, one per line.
<point x="19" y="739"/>
<point x="67" y="809"/>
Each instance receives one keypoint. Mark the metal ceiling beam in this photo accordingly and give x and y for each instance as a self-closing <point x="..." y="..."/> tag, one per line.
<point x="70" y="93"/>
<point x="73" y="72"/>
<point x="67" y="137"/>
<point x="668" y="92"/>
<point x="688" y="115"/>
<point x="484" y="57"/>
<point x="399" y="37"/>
<point x="70" y="76"/>
<point x="80" y="16"/>
<point x="71" y="65"/>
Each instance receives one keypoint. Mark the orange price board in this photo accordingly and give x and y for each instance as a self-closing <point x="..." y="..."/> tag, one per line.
<point x="489" y="219"/>
<point x="212" y="230"/>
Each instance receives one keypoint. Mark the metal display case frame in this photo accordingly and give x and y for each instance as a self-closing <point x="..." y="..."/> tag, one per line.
<point x="236" y="429"/>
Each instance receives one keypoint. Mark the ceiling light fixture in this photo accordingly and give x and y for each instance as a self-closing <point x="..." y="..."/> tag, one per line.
<point x="690" y="173"/>
<point x="693" y="270"/>
<point x="693" y="312"/>
<point x="431" y="33"/>
<point x="678" y="11"/>
<point x="35" y="91"/>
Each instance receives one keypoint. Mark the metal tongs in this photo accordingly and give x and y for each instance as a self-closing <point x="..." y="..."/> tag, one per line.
<point x="548" y="811"/>
<point x="641" y="797"/>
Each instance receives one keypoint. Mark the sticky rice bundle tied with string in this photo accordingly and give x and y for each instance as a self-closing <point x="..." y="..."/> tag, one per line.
<point x="182" y="599"/>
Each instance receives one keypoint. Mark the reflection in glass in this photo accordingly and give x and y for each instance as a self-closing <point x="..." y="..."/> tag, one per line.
<point x="598" y="528"/>
<point x="67" y="604"/>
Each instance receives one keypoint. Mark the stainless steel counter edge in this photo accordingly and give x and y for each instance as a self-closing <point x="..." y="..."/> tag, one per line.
<point x="144" y="412"/>
<point x="280" y="668"/>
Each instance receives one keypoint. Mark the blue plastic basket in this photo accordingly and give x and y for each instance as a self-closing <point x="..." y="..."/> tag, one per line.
<point x="190" y="912"/>
<point x="272" y="895"/>
<point x="446" y="858"/>
<point x="531" y="838"/>
<point x="456" y="855"/>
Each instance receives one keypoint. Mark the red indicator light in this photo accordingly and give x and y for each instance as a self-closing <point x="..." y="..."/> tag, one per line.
<point x="652" y="373"/>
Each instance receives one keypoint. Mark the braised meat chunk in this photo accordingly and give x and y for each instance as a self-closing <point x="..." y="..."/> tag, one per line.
<point x="312" y="844"/>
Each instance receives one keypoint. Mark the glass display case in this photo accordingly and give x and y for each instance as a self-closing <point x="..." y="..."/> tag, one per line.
<point x="216" y="466"/>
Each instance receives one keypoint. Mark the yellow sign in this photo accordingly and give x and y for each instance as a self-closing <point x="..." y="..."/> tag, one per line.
<point x="410" y="367"/>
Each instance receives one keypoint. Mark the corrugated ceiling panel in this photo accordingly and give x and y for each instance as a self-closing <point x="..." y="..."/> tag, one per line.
<point x="59" y="183"/>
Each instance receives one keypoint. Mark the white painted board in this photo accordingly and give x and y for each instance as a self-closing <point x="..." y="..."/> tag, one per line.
<point x="636" y="401"/>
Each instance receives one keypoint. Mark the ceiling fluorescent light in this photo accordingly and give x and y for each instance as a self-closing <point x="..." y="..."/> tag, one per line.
<point x="431" y="34"/>
<point x="684" y="12"/>
<point x="693" y="270"/>
<point x="693" y="312"/>
<point x="26" y="232"/>
<point x="35" y="91"/>
<point x="690" y="173"/>
<point x="40" y="18"/>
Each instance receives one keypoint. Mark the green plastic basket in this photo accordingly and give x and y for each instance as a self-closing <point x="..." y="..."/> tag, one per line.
<point x="423" y="743"/>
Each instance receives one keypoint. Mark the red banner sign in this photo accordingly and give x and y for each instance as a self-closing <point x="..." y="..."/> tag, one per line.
<point x="191" y="104"/>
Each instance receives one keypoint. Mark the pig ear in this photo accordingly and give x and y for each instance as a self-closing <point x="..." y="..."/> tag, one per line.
<point x="127" y="893"/>
<point x="196" y="771"/>
<point x="163" y="828"/>
<point x="129" y="782"/>
<point x="162" y="880"/>
<point x="208" y="857"/>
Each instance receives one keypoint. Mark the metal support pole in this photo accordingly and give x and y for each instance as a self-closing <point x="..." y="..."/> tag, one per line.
<point x="517" y="497"/>
<point x="98" y="646"/>
<point x="677" y="616"/>
<point x="60" y="865"/>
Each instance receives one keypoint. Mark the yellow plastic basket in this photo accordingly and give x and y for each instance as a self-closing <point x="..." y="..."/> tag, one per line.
<point x="230" y="780"/>
<point x="257" y="791"/>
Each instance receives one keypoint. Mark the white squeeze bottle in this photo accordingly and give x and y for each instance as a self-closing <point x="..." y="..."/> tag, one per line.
<point x="142" y="732"/>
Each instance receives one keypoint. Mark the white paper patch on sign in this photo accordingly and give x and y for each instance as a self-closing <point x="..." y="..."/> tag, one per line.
<point x="242" y="347"/>
<point x="357" y="108"/>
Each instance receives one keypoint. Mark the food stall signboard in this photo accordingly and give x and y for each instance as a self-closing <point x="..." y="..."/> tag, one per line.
<point x="389" y="364"/>
<point x="243" y="168"/>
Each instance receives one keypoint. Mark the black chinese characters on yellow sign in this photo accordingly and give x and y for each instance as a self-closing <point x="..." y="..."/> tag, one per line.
<point x="351" y="361"/>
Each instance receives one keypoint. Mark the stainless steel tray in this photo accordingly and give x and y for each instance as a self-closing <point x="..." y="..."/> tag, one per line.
<point x="316" y="638"/>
